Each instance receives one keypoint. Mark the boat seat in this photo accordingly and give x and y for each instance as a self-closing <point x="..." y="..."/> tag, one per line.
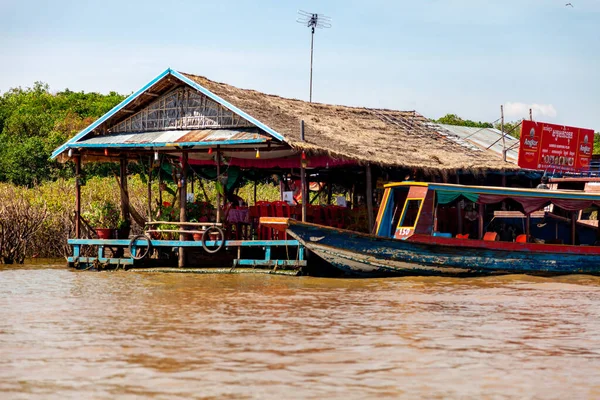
<point x="462" y="236"/>
<point x="442" y="234"/>
<point x="521" y="239"/>
<point x="490" y="236"/>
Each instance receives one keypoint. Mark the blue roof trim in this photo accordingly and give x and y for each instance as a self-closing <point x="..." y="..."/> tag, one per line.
<point x="163" y="144"/>
<point x="109" y="114"/>
<point x="228" y="105"/>
<point x="515" y="192"/>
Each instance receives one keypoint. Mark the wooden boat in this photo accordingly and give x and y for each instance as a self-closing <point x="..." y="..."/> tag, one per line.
<point x="421" y="229"/>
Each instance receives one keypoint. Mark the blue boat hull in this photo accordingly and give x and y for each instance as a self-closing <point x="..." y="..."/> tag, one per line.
<point x="367" y="255"/>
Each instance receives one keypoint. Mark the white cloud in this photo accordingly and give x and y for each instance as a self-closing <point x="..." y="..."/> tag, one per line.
<point x="521" y="110"/>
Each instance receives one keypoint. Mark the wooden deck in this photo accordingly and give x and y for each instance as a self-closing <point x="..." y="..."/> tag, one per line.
<point x="291" y="254"/>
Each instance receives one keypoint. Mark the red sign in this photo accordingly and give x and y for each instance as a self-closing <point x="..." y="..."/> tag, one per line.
<point x="555" y="147"/>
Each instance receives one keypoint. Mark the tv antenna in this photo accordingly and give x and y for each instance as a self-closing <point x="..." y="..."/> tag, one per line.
<point x="313" y="21"/>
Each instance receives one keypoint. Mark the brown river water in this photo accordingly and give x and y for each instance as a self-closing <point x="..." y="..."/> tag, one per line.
<point x="67" y="334"/>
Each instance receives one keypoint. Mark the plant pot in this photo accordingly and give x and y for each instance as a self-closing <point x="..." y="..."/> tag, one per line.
<point x="104" y="233"/>
<point x="122" y="233"/>
<point x="197" y="237"/>
<point x="155" y="235"/>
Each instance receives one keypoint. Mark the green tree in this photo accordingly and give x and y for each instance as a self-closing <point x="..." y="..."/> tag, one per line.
<point x="453" y="119"/>
<point x="597" y="143"/>
<point x="34" y="121"/>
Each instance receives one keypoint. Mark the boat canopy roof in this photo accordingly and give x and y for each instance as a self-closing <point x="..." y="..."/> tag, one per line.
<point x="530" y="199"/>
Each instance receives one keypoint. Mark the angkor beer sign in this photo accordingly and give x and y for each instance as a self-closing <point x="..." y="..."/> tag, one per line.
<point x="555" y="147"/>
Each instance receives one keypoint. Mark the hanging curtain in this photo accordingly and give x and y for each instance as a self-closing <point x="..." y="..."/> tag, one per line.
<point x="446" y="196"/>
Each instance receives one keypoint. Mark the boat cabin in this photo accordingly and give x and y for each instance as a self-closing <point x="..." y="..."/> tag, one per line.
<point x="411" y="209"/>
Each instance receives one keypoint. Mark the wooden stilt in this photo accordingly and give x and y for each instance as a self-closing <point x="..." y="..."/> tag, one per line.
<point x="459" y="212"/>
<point x="528" y="227"/>
<point x="78" y="197"/>
<point x="480" y="220"/>
<point x="123" y="179"/>
<point x="160" y="183"/>
<point x="369" y="194"/>
<point x="303" y="188"/>
<point x="303" y="184"/>
<point x="573" y="226"/>
<point x="217" y="184"/>
<point x="254" y="192"/>
<point x="182" y="205"/>
<point x="150" y="188"/>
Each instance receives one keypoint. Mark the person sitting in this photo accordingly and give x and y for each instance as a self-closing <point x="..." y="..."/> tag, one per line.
<point x="544" y="183"/>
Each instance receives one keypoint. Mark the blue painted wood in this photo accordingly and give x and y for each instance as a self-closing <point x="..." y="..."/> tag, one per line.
<point x="516" y="192"/>
<point x="103" y="260"/>
<point x="361" y="254"/>
<point x="109" y="114"/>
<point x="270" y="263"/>
<point x="173" y="145"/>
<point x="184" y="243"/>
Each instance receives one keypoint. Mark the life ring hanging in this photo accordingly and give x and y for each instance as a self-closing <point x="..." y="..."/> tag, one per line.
<point x="206" y="237"/>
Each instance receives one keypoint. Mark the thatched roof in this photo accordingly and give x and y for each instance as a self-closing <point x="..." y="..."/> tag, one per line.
<point x="380" y="136"/>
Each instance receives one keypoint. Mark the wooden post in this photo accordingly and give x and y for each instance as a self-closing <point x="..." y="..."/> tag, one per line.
<point x="160" y="183"/>
<point x="218" y="182"/>
<point x="125" y="195"/>
<point x="78" y="197"/>
<point x="150" y="188"/>
<point x="254" y="192"/>
<point x="480" y="220"/>
<point x="303" y="186"/>
<point x="528" y="226"/>
<point x="329" y="191"/>
<point x="459" y="214"/>
<point x="182" y="205"/>
<point x="573" y="226"/>
<point x="369" y="194"/>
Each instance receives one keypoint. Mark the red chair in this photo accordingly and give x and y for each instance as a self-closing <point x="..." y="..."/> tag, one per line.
<point x="521" y="239"/>
<point x="281" y="209"/>
<point x="490" y="236"/>
<point x="264" y="210"/>
<point x="334" y="216"/>
<point x="462" y="236"/>
<point x="314" y="214"/>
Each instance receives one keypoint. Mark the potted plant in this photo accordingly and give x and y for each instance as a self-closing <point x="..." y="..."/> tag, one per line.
<point x="103" y="217"/>
<point x="123" y="228"/>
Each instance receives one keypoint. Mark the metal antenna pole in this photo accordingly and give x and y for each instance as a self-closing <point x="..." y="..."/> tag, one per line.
<point x="312" y="39"/>
<point x="502" y="130"/>
<point x="313" y="21"/>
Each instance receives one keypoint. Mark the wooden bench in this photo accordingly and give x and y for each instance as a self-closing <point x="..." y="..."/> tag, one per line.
<point x="182" y="225"/>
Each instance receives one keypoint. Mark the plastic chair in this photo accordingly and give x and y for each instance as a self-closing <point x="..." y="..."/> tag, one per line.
<point x="314" y="214"/>
<point x="490" y="236"/>
<point x="264" y="210"/>
<point x="462" y="236"/>
<point x="334" y="217"/>
<point x="521" y="239"/>
<point x="282" y="210"/>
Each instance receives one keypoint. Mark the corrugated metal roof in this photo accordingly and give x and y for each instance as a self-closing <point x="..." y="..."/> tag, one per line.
<point x="199" y="137"/>
<point x="483" y="138"/>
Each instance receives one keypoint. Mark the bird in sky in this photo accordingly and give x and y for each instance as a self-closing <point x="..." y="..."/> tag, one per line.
<point x="568" y="4"/>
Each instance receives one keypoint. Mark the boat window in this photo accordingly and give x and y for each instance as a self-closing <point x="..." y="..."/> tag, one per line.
<point x="398" y="205"/>
<point x="411" y="212"/>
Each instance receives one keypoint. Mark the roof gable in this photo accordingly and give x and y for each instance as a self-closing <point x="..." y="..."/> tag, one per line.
<point x="206" y="110"/>
<point x="181" y="108"/>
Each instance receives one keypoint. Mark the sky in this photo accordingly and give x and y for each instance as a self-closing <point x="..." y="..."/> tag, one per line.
<point x="465" y="57"/>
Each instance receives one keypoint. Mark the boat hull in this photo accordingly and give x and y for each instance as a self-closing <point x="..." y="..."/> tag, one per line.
<point x="367" y="255"/>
